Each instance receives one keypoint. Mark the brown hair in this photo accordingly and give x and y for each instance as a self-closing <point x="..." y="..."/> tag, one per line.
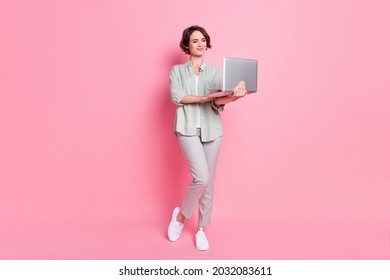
<point x="185" y="39"/>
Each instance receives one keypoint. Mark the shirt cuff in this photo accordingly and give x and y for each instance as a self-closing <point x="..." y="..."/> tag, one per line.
<point x="219" y="108"/>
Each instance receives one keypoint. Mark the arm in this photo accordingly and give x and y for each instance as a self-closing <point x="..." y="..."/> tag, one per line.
<point x="188" y="98"/>
<point x="178" y="96"/>
<point x="225" y="100"/>
<point x="239" y="92"/>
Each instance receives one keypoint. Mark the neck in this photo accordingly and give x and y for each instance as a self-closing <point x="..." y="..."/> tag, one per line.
<point x="196" y="60"/>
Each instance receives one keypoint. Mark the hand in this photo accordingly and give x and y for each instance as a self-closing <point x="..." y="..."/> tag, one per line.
<point x="215" y="91"/>
<point x="240" y="90"/>
<point x="206" y="99"/>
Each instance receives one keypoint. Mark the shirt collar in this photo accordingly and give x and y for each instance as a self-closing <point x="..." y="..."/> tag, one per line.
<point x="203" y="66"/>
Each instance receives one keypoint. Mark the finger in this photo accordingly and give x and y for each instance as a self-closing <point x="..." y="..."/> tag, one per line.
<point x="243" y="86"/>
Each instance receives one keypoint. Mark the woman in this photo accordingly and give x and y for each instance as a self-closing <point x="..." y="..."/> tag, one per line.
<point x="198" y="128"/>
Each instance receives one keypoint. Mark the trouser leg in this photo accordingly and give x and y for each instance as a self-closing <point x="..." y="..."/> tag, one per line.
<point x="211" y="150"/>
<point x="192" y="148"/>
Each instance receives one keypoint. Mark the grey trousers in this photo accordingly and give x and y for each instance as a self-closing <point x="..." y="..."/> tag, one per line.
<point x="202" y="159"/>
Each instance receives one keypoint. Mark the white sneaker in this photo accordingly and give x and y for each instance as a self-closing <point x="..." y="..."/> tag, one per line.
<point x="175" y="227"/>
<point x="201" y="241"/>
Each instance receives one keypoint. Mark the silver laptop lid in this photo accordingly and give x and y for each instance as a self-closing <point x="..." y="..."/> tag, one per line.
<point x="239" y="69"/>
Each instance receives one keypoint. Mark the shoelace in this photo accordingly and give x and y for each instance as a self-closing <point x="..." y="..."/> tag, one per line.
<point x="177" y="227"/>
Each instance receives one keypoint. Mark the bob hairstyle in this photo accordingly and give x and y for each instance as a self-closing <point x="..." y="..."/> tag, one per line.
<point x="185" y="39"/>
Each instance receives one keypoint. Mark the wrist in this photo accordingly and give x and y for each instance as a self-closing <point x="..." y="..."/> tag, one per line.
<point x="203" y="99"/>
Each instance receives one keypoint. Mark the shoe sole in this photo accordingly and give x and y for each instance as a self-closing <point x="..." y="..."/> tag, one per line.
<point x="202" y="249"/>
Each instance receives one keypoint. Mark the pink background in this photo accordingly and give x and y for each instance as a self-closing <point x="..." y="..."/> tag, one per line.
<point x="90" y="167"/>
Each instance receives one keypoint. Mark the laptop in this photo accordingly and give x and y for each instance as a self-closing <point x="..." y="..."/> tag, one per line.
<point x="236" y="70"/>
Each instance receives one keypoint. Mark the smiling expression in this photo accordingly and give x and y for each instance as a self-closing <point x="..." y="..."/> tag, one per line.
<point x="197" y="44"/>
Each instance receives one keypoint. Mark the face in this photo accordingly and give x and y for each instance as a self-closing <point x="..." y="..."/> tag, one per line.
<point x="197" y="44"/>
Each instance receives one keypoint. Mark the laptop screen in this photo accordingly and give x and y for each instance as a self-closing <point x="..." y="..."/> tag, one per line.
<point x="239" y="69"/>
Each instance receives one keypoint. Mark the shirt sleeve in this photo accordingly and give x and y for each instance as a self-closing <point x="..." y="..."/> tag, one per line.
<point x="219" y="108"/>
<point x="177" y="92"/>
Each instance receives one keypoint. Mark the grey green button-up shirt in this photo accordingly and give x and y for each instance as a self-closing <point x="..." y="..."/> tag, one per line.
<point x="182" y="82"/>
